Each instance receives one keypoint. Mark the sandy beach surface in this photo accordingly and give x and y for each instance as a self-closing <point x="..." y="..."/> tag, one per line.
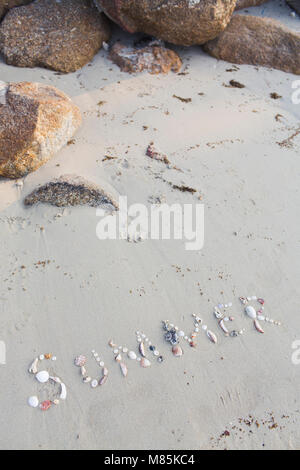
<point x="66" y="292"/>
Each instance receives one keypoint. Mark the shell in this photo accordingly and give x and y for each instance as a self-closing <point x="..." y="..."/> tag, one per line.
<point x="33" y="367"/>
<point x="261" y="301"/>
<point x="94" y="383"/>
<point x="124" y="369"/>
<point x="83" y="371"/>
<point x="145" y="362"/>
<point x="177" y="351"/>
<point x="63" y="392"/>
<point x="118" y="358"/>
<point x="55" y="379"/>
<point x="48" y="356"/>
<point x="218" y="313"/>
<point x="103" y="380"/>
<point x="56" y="402"/>
<point x="105" y="371"/>
<point x="33" y="402"/>
<point x="142" y="349"/>
<point x="86" y="380"/>
<point x="251" y="312"/>
<point x="213" y="338"/>
<point x="42" y="376"/>
<point x="80" y="361"/>
<point x="258" y="327"/>
<point x="112" y="344"/>
<point x="131" y="355"/>
<point x="45" y="405"/>
<point x="223" y="327"/>
<point x="243" y="300"/>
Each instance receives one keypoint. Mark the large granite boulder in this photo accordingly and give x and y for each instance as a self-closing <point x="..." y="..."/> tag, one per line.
<point x="184" y="22"/>
<point x="62" y="35"/>
<point x="35" y="122"/>
<point x="258" y="41"/>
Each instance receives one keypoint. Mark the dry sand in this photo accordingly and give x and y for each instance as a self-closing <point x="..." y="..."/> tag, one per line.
<point x="226" y="141"/>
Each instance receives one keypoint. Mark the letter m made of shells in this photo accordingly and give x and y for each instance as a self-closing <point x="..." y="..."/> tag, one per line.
<point x="36" y="121"/>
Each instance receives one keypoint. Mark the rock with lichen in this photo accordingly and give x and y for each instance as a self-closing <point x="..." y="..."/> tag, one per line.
<point x="71" y="190"/>
<point x="249" y="3"/>
<point x="183" y="22"/>
<point x="6" y="5"/>
<point x="36" y="121"/>
<point x="258" y="41"/>
<point x="61" y="36"/>
<point x="153" y="59"/>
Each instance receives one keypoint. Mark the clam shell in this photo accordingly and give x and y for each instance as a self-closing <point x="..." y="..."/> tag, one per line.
<point x="63" y="392"/>
<point x="45" y="405"/>
<point x="105" y="371"/>
<point x="33" y="367"/>
<point x="80" y="361"/>
<point x="86" y="380"/>
<point x="103" y="380"/>
<point x="223" y="327"/>
<point x="250" y="311"/>
<point x="142" y="349"/>
<point x="42" y="376"/>
<point x="145" y="362"/>
<point x="124" y="369"/>
<point x="33" y="402"/>
<point x="258" y="327"/>
<point x="213" y="338"/>
<point x="177" y="351"/>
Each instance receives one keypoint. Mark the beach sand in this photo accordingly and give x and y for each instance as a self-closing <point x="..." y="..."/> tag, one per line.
<point x="64" y="291"/>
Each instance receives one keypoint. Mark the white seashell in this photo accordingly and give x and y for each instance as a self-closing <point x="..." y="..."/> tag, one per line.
<point x="223" y="327"/>
<point x="63" y="392"/>
<point x="80" y="361"/>
<point x="251" y="312"/>
<point x="33" y="368"/>
<point x="83" y="371"/>
<point x="142" y="349"/>
<point x="33" y="402"/>
<point x="103" y="380"/>
<point x="56" y="402"/>
<point x="145" y="362"/>
<point x="42" y="357"/>
<point x="42" y="376"/>
<point x="177" y="351"/>
<point x="258" y="327"/>
<point x="94" y="383"/>
<point x="112" y="344"/>
<point x="116" y="351"/>
<point x="261" y="317"/>
<point x="181" y="333"/>
<point x="118" y="358"/>
<point x="132" y="355"/>
<point x="218" y="313"/>
<point x="105" y="371"/>
<point x="124" y="369"/>
<point x="213" y="338"/>
<point x="86" y="380"/>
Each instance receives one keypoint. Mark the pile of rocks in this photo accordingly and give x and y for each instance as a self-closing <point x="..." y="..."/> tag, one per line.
<point x="64" y="35"/>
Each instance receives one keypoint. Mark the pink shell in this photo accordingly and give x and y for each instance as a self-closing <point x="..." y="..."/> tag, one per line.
<point x="45" y="405"/>
<point x="80" y="361"/>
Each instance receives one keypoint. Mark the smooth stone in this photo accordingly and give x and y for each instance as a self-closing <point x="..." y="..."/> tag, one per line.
<point x="132" y="355"/>
<point x="33" y="402"/>
<point x="251" y="312"/>
<point x="42" y="376"/>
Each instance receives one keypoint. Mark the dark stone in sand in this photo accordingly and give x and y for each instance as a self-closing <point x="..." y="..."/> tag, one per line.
<point x="71" y="190"/>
